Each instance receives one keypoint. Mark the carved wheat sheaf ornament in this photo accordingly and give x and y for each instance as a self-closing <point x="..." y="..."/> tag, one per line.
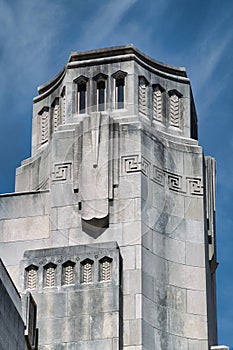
<point x="142" y="95"/>
<point x="50" y="276"/>
<point x="174" y="115"/>
<point x="69" y="275"/>
<point x="56" y="114"/>
<point x="158" y="103"/>
<point x="106" y="270"/>
<point x="44" y="115"/>
<point x="32" y="277"/>
<point x="87" y="271"/>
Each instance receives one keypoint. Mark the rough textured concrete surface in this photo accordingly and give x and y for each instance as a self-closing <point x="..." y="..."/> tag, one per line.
<point x="112" y="225"/>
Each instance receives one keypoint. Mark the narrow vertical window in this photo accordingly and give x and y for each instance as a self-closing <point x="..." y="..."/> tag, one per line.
<point x="119" y="77"/>
<point x="82" y="91"/>
<point x="31" y="279"/>
<point x="120" y="93"/>
<point x="101" y="91"/>
<point x="101" y="95"/>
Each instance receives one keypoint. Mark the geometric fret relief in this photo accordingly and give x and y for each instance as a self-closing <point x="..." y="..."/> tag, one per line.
<point x="62" y="172"/>
<point x="87" y="271"/>
<point x="174" y="117"/>
<point x="158" y="103"/>
<point x="68" y="273"/>
<point x="105" y="269"/>
<point x="50" y="275"/>
<point x="175" y="182"/>
<point x="142" y="95"/>
<point x="44" y="124"/>
<point x="31" y="277"/>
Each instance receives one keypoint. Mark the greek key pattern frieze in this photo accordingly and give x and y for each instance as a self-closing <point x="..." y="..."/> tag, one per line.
<point x="62" y="172"/>
<point x="174" y="182"/>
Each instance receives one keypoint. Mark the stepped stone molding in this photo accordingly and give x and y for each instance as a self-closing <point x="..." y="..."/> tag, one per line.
<point x="175" y="182"/>
<point x="210" y="194"/>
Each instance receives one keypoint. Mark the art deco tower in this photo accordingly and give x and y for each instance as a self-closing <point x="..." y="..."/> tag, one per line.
<point x="112" y="225"/>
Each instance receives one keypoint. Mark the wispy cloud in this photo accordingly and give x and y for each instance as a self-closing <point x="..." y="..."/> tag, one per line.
<point x="106" y="19"/>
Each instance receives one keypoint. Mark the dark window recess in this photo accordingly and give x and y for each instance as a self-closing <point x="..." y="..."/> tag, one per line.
<point x="210" y="239"/>
<point x="120" y="84"/>
<point x="101" y="95"/>
<point x="82" y="88"/>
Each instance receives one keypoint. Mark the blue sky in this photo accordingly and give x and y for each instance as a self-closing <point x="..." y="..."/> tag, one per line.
<point x="37" y="36"/>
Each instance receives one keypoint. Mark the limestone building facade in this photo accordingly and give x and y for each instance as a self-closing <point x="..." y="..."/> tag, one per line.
<point x="112" y="224"/>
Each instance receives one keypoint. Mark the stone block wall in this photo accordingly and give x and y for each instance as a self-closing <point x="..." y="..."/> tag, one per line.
<point x="78" y="294"/>
<point x="11" y="322"/>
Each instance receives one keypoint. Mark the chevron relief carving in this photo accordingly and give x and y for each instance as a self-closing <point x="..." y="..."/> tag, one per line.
<point x="142" y="95"/>
<point x="158" y="103"/>
<point x="105" y="269"/>
<point x="45" y="125"/>
<point x="69" y="274"/>
<point x="32" y="277"/>
<point x="87" y="271"/>
<point x="50" y="280"/>
<point x="175" y="110"/>
<point x="56" y="115"/>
